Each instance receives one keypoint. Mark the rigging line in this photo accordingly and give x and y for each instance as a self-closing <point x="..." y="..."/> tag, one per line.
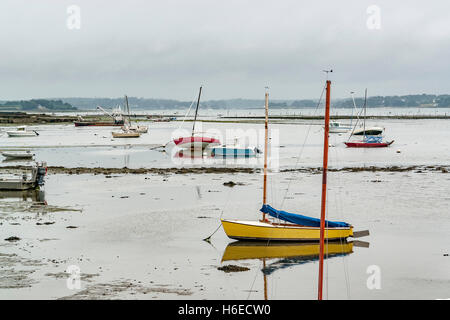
<point x="208" y="239"/>
<point x="357" y="115"/>
<point x="303" y="146"/>
<point x="189" y="110"/>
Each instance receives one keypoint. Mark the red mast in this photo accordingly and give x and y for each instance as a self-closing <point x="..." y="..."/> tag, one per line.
<point x="266" y="139"/>
<point x="324" y="188"/>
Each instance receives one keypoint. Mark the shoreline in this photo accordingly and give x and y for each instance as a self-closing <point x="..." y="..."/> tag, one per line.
<point x="226" y="170"/>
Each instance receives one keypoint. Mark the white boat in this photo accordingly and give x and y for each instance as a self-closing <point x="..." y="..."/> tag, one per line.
<point x="22" y="132"/>
<point x="129" y="127"/>
<point x="126" y="134"/>
<point x="25" y="181"/>
<point x="18" y="154"/>
<point x="368" y="131"/>
<point x="364" y="130"/>
<point x="136" y="128"/>
<point x="337" y="127"/>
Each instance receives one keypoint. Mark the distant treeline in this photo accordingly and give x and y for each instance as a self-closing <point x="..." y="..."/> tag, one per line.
<point x="416" y="100"/>
<point x="70" y="104"/>
<point x="37" y="104"/>
<point x="424" y="100"/>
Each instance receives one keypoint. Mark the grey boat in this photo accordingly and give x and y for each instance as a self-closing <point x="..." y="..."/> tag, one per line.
<point x="25" y="181"/>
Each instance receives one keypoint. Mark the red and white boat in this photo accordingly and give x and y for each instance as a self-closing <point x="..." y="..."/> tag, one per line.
<point x="197" y="140"/>
<point x="369" y="142"/>
<point x="362" y="144"/>
<point x="372" y="136"/>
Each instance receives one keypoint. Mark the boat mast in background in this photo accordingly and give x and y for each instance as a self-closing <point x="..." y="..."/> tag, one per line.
<point x="266" y="141"/>
<point x="128" y="109"/>
<point x="196" y="110"/>
<point x="365" y="106"/>
<point x="324" y="188"/>
<point x="354" y="108"/>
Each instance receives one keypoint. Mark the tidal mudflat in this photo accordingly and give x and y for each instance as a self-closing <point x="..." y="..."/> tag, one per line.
<point x="140" y="236"/>
<point x="127" y="219"/>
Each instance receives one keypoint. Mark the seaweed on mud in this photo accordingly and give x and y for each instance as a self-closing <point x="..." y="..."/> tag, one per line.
<point x="12" y="277"/>
<point x="232" y="268"/>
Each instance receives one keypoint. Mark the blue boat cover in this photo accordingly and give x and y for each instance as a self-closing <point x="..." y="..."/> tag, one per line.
<point x="373" y="139"/>
<point x="299" y="219"/>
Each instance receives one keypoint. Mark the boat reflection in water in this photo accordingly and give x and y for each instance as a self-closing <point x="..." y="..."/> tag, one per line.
<point x="286" y="254"/>
<point x="35" y="196"/>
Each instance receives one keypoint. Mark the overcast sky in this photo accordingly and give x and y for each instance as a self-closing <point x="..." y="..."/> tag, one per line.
<point x="167" y="49"/>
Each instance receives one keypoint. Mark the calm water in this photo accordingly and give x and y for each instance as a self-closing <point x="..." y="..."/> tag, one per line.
<point x="293" y="144"/>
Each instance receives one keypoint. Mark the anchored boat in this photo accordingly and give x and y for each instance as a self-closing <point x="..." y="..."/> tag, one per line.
<point x="337" y="127"/>
<point x="197" y="140"/>
<point x="126" y="134"/>
<point x="371" y="131"/>
<point x="128" y="126"/>
<point x="116" y="115"/>
<point x="22" y="131"/>
<point x="295" y="227"/>
<point x="372" y="136"/>
<point x="369" y="142"/>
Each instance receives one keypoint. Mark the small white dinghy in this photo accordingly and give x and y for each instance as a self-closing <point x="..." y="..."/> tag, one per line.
<point x="22" y="132"/>
<point x="337" y="127"/>
<point x="25" y="181"/>
<point x="18" y="154"/>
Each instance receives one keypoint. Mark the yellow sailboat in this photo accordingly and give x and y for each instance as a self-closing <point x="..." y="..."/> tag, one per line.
<point x="297" y="227"/>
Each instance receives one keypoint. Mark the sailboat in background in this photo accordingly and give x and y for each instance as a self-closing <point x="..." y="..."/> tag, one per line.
<point x="337" y="127"/>
<point x="128" y="126"/>
<point x="296" y="227"/>
<point x="372" y="136"/>
<point x="197" y="140"/>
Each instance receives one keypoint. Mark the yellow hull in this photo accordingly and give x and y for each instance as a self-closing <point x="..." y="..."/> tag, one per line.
<point x="261" y="231"/>
<point x="257" y="250"/>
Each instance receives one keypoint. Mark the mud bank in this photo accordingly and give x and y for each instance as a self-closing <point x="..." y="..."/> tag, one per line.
<point x="15" y="118"/>
<point x="219" y="170"/>
<point x="125" y="170"/>
<point x="417" y="169"/>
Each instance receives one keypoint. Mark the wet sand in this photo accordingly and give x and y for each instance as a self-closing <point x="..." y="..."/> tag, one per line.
<point x="140" y="236"/>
